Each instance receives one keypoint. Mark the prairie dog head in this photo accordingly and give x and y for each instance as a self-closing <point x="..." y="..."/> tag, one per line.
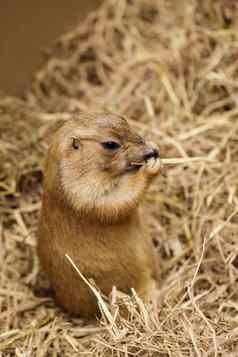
<point x="100" y="166"/>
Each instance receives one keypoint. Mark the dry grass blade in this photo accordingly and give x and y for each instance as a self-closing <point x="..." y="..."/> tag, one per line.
<point x="183" y="160"/>
<point x="102" y="305"/>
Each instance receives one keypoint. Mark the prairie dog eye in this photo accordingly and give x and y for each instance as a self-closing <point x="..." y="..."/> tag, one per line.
<point x="75" y="144"/>
<point x="111" y="145"/>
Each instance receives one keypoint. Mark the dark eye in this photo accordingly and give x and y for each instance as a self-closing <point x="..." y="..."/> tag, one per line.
<point x="111" y="145"/>
<point x="75" y="144"/>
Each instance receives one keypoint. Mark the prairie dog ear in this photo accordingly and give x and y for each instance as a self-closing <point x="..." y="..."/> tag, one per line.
<point x="75" y="143"/>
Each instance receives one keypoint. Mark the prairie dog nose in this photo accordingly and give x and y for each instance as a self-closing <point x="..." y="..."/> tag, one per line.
<point x="151" y="152"/>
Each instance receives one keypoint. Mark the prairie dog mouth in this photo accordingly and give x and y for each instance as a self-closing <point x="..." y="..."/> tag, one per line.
<point x="150" y="153"/>
<point x="134" y="166"/>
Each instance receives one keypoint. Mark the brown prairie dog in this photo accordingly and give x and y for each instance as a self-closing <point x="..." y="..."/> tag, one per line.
<point x="97" y="171"/>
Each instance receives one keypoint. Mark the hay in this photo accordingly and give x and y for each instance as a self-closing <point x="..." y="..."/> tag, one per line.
<point x="171" y="66"/>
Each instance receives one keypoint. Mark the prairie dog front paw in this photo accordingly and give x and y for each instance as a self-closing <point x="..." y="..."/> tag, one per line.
<point x="153" y="166"/>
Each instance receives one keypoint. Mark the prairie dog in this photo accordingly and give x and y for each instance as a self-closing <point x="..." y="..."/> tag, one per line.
<point x="97" y="171"/>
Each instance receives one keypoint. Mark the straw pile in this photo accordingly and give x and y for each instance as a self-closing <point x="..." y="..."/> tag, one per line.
<point x="171" y="66"/>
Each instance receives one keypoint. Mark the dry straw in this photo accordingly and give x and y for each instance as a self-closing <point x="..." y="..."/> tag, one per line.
<point x="171" y="67"/>
<point x="187" y="160"/>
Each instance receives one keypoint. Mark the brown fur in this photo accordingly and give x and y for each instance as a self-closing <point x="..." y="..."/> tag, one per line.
<point x="90" y="211"/>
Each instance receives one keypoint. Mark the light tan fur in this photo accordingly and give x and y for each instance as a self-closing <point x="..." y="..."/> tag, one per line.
<point x="90" y="211"/>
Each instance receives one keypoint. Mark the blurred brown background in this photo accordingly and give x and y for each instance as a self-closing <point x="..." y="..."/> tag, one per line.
<point x="26" y="28"/>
